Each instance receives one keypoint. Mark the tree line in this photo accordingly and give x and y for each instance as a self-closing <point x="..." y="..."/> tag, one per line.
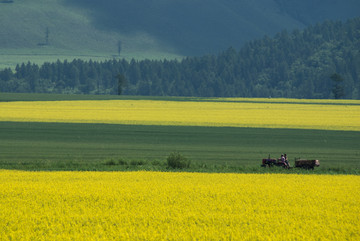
<point x="298" y="64"/>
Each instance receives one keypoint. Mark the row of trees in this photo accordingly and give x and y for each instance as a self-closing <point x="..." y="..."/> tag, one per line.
<point x="297" y="65"/>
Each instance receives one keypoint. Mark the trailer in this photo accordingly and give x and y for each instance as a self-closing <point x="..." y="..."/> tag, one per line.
<point x="307" y="164"/>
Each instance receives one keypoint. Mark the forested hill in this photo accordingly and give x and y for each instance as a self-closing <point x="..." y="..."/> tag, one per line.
<point x="47" y="30"/>
<point x="294" y="64"/>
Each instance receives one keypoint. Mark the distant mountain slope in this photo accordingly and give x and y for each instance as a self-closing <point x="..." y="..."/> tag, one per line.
<point x="153" y="29"/>
<point x="315" y="11"/>
<point x="207" y="26"/>
<point x="23" y="26"/>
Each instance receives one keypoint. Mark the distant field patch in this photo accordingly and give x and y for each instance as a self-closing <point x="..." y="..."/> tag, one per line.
<point x="330" y="115"/>
<point x="177" y="206"/>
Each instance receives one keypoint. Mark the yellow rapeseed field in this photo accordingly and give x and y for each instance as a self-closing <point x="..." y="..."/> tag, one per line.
<point x="284" y="113"/>
<point x="177" y="206"/>
<point x="285" y="100"/>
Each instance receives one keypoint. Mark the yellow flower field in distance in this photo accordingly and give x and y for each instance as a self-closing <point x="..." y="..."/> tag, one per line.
<point x="285" y="100"/>
<point x="177" y="206"/>
<point x="331" y="115"/>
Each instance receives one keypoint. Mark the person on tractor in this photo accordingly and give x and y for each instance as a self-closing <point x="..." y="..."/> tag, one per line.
<point x="286" y="161"/>
<point x="282" y="158"/>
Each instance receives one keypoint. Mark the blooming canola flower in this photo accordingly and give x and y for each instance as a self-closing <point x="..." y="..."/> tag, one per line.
<point x="177" y="206"/>
<point x="231" y="113"/>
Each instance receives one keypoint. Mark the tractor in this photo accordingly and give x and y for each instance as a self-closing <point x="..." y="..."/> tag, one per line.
<point x="269" y="162"/>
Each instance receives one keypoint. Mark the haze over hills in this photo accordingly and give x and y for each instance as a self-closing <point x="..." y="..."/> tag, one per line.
<point x="196" y="27"/>
<point x="152" y="29"/>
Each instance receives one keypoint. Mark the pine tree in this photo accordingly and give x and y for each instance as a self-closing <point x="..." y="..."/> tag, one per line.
<point x="338" y="88"/>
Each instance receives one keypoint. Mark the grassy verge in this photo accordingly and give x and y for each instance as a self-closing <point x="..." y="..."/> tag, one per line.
<point x="5" y="97"/>
<point x="161" y="165"/>
<point x="60" y="146"/>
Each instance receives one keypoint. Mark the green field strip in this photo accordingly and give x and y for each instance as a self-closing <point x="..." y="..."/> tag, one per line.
<point x="6" y="97"/>
<point x="87" y="143"/>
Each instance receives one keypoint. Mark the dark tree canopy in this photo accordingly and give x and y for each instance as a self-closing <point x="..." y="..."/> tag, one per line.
<point x="338" y="88"/>
<point x="121" y="83"/>
<point x="294" y="64"/>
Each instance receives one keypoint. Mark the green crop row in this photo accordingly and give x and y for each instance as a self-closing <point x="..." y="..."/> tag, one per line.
<point x="63" y="146"/>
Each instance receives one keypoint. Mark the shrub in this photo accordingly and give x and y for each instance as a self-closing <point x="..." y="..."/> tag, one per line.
<point x="176" y="160"/>
<point x="137" y="163"/>
<point x="157" y="163"/>
<point x="110" y="162"/>
<point x="122" y="162"/>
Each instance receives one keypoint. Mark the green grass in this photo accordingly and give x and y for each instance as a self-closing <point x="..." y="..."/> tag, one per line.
<point x="10" y="59"/>
<point x="72" y="34"/>
<point x="57" y="97"/>
<point x="60" y="146"/>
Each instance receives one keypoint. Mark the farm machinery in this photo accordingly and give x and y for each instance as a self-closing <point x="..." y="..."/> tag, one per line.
<point x="269" y="162"/>
<point x="282" y="162"/>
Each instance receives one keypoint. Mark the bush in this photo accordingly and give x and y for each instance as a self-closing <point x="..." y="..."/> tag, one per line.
<point x="137" y="163"/>
<point x="122" y="162"/>
<point x="176" y="160"/>
<point x="110" y="162"/>
<point x="157" y="163"/>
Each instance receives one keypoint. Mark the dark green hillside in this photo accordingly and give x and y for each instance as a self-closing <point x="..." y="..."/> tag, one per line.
<point x="312" y="11"/>
<point x="207" y="26"/>
<point x="194" y="27"/>
<point x="71" y="35"/>
<point x="153" y="29"/>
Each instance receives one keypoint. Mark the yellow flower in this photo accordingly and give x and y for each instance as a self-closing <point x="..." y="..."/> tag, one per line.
<point x="327" y="115"/>
<point x="177" y="206"/>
